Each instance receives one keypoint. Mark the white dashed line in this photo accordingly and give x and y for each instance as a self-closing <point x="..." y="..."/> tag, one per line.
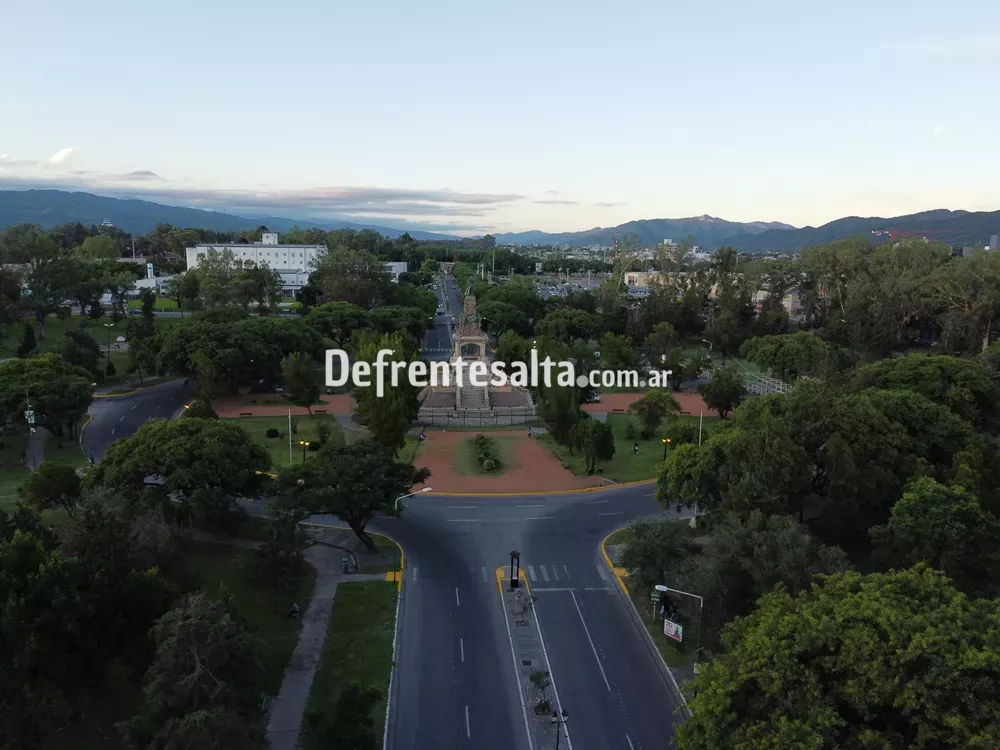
<point x="529" y="506"/>
<point x="545" y="574"/>
<point x="468" y="731"/>
<point x="113" y="430"/>
<point x="458" y="602"/>
<point x="485" y="577"/>
<point x="133" y="408"/>
<point x="122" y="419"/>
<point x="595" y="502"/>
<point x="615" y="513"/>
<point x="531" y="572"/>
<point x="629" y="740"/>
<point x="555" y="573"/>
<point x="592" y="646"/>
<point x="461" y="646"/>
<point x="566" y="571"/>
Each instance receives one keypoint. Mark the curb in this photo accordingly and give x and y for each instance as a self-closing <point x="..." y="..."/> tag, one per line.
<point x="79" y="438"/>
<point x="599" y="488"/>
<point x="122" y="393"/>
<point x="638" y="621"/>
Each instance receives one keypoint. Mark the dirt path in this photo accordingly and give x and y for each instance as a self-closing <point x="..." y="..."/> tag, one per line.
<point x="537" y="469"/>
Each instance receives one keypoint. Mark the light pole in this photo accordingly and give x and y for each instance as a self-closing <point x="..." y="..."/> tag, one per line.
<point x="304" y="444"/>
<point x="706" y="341"/>
<point x="666" y="444"/>
<point x="403" y="497"/>
<point x="559" y="721"/>
<point x="109" y="326"/>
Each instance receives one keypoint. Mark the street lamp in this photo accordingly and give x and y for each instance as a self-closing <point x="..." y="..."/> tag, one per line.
<point x="666" y="442"/>
<point x="706" y="341"/>
<point x="515" y="569"/>
<point x="304" y="444"/>
<point x="403" y="497"/>
<point x="559" y="721"/>
<point x="109" y="326"/>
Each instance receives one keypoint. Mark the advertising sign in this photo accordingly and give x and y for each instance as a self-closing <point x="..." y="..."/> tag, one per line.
<point x="673" y="630"/>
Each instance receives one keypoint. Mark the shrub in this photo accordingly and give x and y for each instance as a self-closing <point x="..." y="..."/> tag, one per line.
<point x="486" y="454"/>
<point x="489" y="465"/>
<point x="272" y="432"/>
<point x="200" y="409"/>
<point x="314" y="446"/>
<point x="630" y="431"/>
<point x="323" y="431"/>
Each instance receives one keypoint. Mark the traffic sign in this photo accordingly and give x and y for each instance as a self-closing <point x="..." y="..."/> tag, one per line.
<point x="673" y="630"/>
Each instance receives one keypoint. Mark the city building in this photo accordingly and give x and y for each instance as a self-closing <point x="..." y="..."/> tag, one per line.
<point x="395" y="268"/>
<point x="293" y="262"/>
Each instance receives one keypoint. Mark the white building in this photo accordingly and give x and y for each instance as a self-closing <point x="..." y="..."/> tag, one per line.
<point x="293" y="262"/>
<point x="395" y="268"/>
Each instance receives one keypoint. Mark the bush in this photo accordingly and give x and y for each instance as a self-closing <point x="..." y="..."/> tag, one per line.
<point x="486" y="454"/>
<point x="314" y="446"/>
<point x="489" y="465"/>
<point x="681" y="433"/>
<point x="273" y="432"/>
<point x="630" y="432"/>
<point x="200" y="409"/>
<point x="323" y="431"/>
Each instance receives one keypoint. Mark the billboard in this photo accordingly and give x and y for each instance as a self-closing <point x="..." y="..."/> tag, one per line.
<point x="673" y="630"/>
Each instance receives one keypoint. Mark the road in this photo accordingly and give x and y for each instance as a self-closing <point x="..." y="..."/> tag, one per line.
<point x="455" y="684"/>
<point x="120" y="416"/>
<point x="437" y="343"/>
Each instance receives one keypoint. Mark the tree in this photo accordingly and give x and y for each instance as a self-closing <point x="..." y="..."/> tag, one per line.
<point x="350" y="276"/>
<point x="279" y="563"/>
<point x="723" y="392"/>
<point x="657" y="551"/>
<point x="560" y="410"/>
<point x="193" y="456"/>
<point x="51" y="485"/>
<point x="596" y="439"/>
<point x="512" y="348"/>
<point x="567" y="325"/>
<point x="301" y="381"/>
<point x="856" y="661"/>
<point x="59" y="392"/>
<point x="946" y="528"/>
<point x="80" y="349"/>
<point x="51" y="275"/>
<point x="499" y="317"/>
<point x="186" y="290"/>
<point x="338" y="321"/>
<point x="28" y="342"/>
<point x="352" y="481"/>
<point x="388" y="416"/>
<point x="99" y="248"/>
<point x="661" y="339"/>
<point x="794" y="355"/>
<point x="617" y="351"/>
<point x="202" y="686"/>
<point x="653" y="409"/>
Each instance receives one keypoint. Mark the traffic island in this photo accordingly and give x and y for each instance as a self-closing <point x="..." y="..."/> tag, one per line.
<point x="535" y="686"/>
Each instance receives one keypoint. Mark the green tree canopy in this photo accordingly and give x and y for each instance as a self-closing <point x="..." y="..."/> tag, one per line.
<point x="723" y="392"/>
<point x="59" y="392"/>
<point x="895" y="660"/>
<point x="653" y="408"/>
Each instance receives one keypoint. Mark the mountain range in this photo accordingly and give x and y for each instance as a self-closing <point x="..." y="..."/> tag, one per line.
<point x="51" y="207"/>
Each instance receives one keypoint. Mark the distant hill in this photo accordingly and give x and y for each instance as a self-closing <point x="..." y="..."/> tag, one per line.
<point x="707" y="231"/>
<point x="953" y="227"/>
<point x="51" y="207"/>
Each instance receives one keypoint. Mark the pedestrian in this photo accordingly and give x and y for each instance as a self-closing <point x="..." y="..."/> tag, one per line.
<point x="635" y="449"/>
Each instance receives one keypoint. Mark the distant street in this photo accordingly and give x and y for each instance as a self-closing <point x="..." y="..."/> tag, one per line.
<point x="120" y="416"/>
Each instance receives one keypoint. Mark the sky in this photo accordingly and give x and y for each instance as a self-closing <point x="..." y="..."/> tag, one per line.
<point x="475" y="117"/>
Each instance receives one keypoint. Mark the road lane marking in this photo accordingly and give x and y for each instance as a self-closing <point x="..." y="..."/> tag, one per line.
<point x="615" y="513"/>
<point x="566" y="571"/>
<point x="513" y="660"/>
<point x="529" y="506"/>
<point x="122" y="419"/>
<point x="629" y="740"/>
<point x="595" y="502"/>
<point x="158" y="406"/>
<point x="113" y="430"/>
<point x="461" y="507"/>
<point x="601" y="572"/>
<point x="458" y="602"/>
<point x="461" y="646"/>
<point x="485" y="577"/>
<point x="545" y="573"/>
<point x="592" y="646"/>
<point x="538" y="518"/>
<point x="415" y="573"/>
<point x="133" y="408"/>
<point x="555" y="573"/>
<point x="464" y="520"/>
<point x="468" y="731"/>
<point x="531" y="572"/>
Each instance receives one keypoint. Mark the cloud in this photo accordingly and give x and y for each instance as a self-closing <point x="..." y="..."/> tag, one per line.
<point x="60" y="156"/>
<point x="557" y="203"/>
<point x="139" y="175"/>
<point x="607" y="204"/>
<point x="9" y="162"/>
<point x="938" y="130"/>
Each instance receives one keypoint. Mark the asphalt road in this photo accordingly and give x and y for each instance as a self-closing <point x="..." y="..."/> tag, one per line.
<point x="120" y="416"/>
<point x="437" y="343"/>
<point x="455" y="684"/>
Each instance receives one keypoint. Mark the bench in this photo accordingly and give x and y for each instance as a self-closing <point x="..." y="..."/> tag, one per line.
<point x="246" y="413"/>
<point x="618" y="411"/>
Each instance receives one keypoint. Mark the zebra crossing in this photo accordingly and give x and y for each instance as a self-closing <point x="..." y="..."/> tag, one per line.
<point x="555" y="576"/>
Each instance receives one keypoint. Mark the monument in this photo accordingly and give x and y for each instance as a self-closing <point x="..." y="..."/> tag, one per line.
<point x="469" y="405"/>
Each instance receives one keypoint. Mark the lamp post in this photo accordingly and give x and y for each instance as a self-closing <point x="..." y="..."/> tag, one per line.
<point x="666" y="443"/>
<point x="706" y="341"/>
<point x="403" y="497"/>
<point x="515" y="569"/>
<point x="304" y="444"/>
<point x="559" y="721"/>
<point x="109" y="326"/>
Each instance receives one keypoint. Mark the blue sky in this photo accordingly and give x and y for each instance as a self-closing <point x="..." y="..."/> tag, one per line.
<point x="476" y="117"/>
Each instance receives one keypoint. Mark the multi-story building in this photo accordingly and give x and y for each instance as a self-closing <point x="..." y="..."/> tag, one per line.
<point x="293" y="262"/>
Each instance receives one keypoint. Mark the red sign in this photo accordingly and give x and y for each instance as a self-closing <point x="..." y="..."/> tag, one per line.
<point x="673" y="630"/>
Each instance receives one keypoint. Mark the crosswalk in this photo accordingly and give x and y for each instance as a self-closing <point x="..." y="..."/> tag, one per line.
<point x="548" y="576"/>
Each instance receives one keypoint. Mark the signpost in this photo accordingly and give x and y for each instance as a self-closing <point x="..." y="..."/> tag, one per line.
<point x="673" y="630"/>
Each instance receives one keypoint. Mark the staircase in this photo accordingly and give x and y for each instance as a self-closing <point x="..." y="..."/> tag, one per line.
<point x="471" y="397"/>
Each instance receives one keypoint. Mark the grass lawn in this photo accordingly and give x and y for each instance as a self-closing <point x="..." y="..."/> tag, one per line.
<point x="619" y="537"/>
<point x="624" y="467"/>
<point x="10" y="333"/>
<point x="358" y="648"/>
<point x="386" y="548"/>
<point x="464" y="461"/>
<point x="13" y="473"/>
<point x="162" y="304"/>
<point x="278" y="447"/>
<point x="672" y="652"/>
<point x="217" y="566"/>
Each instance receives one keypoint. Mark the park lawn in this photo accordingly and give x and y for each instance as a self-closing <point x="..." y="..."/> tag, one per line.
<point x="163" y="304"/>
<point x="358" y="648"/>
<point x="278" y="447"/>
<point x="408" y="453"/>
<point x="619" y="537"/>
<point x="387" y="549"/>
<point x="55" y="327"/>
<point x="218" y="567"/>
<point x="624" y="467"/>
<point x="464" y="462"/>
<point x="12" y="471"/>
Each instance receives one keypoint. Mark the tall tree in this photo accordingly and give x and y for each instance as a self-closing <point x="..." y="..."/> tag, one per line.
<point x="390" y="415"/>
<point x="595" y="439"/>
<point x="653" y="408"/>
<point x="301" y="380"/>
<point x="856" y="661"/>
<point x="723" y="392"/>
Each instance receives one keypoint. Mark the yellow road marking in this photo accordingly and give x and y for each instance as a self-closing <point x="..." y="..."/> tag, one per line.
<point x="501" y="574"/>
<point x="620" y="573"/>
